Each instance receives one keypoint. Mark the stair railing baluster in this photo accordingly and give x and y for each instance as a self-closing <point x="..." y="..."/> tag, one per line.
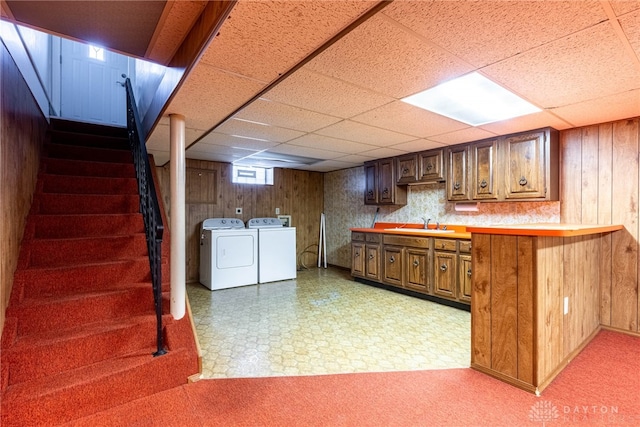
<point x="149" y="208"/>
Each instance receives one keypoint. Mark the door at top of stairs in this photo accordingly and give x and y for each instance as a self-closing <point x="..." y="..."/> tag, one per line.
<point x="89" y="88"/>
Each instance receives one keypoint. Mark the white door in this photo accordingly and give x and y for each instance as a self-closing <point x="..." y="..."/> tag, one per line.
<point x="89" y="89"/>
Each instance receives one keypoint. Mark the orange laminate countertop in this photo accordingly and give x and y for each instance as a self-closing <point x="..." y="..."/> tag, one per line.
<point x="460" y="231"/>
<point x="544" y="229"/>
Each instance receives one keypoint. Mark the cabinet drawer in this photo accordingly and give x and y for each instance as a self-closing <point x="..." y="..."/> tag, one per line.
<point x="372" y="237"/>
<point x="357" y="236"/>
<point x="414" y="242"/>
<point x="465" y="246"/>
<point x="444" y="245"/>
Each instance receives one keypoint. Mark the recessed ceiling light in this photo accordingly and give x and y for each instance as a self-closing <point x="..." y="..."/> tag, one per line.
<point x="472" y="99"/>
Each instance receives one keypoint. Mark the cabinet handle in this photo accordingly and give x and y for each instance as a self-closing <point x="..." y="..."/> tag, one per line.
<point x="456" y="186"/>
<point x="429" y="167"/>
<point x="416" y="263"/>
<point x="405" y="171"/>
<point x="357" y="254"/>
<point x="483" y="184"/>
<point x="370" y="256"/>
<point x="523" y="181"/>
<point x="469" y="272"/>
<point x="385" y="191"/>
<point x="443" y="267"/>
<point x="370" y="193"/>
<point x="392" y="260"/>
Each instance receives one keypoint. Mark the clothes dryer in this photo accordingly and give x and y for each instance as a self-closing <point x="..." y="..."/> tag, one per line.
<point x="228" y="254"/>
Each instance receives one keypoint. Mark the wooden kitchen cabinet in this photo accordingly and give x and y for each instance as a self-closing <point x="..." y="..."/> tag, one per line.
<point x="531" y="165"/>
<point x="484" y="166"/>
<point x="464" y="278"/>
<point x="407" y="167"/>
<point x="458" y="173"/>
<point x="406" y="262"/>
<point x="380" y="184"/>
<point x="445" y="274"/>
<point x="431" y="166"/>
<point x="365" y="255"/>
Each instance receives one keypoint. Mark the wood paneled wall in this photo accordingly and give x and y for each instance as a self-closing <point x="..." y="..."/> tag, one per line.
<point x="210" y="194"/>
<point x="600" y="185"/>
<point x="23" y="132"/>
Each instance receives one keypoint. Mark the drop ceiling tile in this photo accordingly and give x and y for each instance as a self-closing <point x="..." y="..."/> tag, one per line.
<point x="483" y="32"/>
<point x="328" y="166"/>
<point x="365" y="134"/>
<point x="381" y="56"/>
<point x="160" y="138"/>
<point x="380" y="153"/>
<point x="610" y="108"/>
<point x="323" y="94"/>
<point x="356" y="159"/>
<point x="624" y="6"/>
<point x="576" y="68"/>
<point x="401" y="117"/>
<point x="328" y="143"/>
<point x="209" y="95"/>
<point x="314" y="153"/>
<point x="277" y="114"/>
<point x="631" y="26"/>
<point x="160" y="158"/>
<point x="211" y="156"/>
<point x="263" y="39"/>
<point x="220" y="139"/>
<point x="255" y="130"/>
<point x="462" y="136"/>
<point x="418" y="145"/>
<point x="528" y="122"/>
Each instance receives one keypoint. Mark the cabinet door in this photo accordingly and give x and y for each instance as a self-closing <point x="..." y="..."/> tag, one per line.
<point x="458" y="174"/>
<point x="370" y="183"/>
<point x="372" y="262"/>
<point x="525" y="166"/>
<point x="407" y="169"/>
<point x="484" y="170"/>
<point x="464" y="278"/>
<point x="386" y="182"/>
<point x="417" y="269"/>
<point x="357" y="259"/>
<point x="431" y="166"/>
<point x="444" y="274"/>
<point x="392" y="265"/>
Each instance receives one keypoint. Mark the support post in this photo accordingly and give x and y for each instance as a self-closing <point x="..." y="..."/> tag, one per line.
<point x="177" y="220"/>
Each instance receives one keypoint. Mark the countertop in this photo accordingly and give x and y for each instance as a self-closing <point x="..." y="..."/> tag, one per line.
<point x="544" y="229"/>
<point x="464" y="232"/>
<point x="459" y="231"/>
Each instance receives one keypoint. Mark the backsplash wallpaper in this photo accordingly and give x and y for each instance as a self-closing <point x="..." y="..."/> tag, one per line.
<point x="345" y="208"/>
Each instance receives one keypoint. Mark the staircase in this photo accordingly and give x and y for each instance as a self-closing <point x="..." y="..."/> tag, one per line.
<point x="80" y="329"/>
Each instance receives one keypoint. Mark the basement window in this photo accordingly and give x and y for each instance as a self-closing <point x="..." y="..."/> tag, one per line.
<point x="252" y="175"/>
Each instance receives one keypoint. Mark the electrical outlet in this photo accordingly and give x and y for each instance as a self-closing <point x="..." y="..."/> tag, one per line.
<point x="277" y="211"/>
<point x="566" y="305"/>
<point x="238" y="211"/>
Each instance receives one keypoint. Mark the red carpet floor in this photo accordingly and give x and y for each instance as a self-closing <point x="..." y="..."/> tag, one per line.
<point x="601" y="386"/>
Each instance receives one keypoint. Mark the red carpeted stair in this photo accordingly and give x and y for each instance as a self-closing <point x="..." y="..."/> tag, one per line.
<point x="80" y="329"/>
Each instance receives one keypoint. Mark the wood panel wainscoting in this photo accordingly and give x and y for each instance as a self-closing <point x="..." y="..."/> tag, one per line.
<point x="23" y="132"/>
<point x="535" y="303"/>
<point x="210" y="194"/>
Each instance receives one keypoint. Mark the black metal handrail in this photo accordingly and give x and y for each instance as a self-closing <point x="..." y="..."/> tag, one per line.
<point x="149" y="208"/>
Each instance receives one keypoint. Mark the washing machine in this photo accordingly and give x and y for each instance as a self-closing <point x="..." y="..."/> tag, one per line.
<point x="276" y="249"/>
<point x="228" y="254"/>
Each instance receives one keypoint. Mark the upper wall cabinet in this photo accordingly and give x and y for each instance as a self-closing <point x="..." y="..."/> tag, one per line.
<point x="380" y="184"/>
<point x="516" y="167"/>
<point x="531" y="165"/>
<point x="421" y="168"/>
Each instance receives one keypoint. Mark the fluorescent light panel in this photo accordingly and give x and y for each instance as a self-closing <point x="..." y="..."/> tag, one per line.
<point x="472" y="99"/>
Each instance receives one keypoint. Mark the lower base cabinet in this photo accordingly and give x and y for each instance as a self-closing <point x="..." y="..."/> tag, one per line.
<point x="431" y="266"/>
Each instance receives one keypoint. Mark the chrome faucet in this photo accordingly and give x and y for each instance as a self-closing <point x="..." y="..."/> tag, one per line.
<point x="426" y="222"/>
<point x="437" y="226"/>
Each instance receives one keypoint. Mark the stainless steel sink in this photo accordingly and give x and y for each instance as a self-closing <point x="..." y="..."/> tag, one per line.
<point x="420" y="230"/>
